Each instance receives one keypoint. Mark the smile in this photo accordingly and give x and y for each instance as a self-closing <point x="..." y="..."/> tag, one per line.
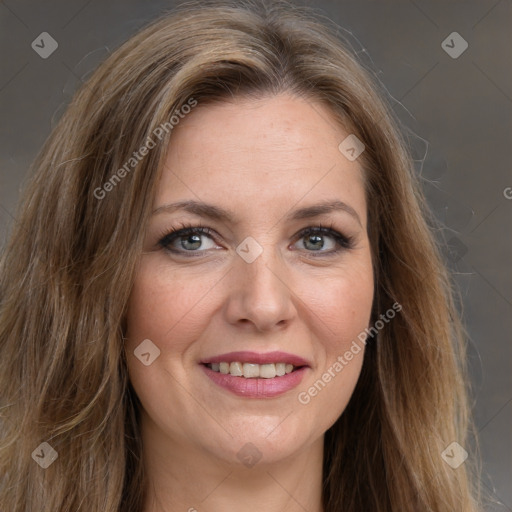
<point x="252" y="370"/>
<point x="256" y="375"/>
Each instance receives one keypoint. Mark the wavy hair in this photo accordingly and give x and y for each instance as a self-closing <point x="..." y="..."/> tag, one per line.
<point x="69" y="265"/>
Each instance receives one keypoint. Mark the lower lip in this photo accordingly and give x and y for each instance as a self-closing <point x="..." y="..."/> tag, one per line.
<point x="256" y="388"/>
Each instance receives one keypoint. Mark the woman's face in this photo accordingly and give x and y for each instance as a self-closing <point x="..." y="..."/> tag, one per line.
<point x="253" y="289"/>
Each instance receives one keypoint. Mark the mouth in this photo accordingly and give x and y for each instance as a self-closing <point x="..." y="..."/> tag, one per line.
<point x="254" y="375"/>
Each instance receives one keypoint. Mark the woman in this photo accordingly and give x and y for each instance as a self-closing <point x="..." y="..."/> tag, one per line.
<point x="291" y="345"/>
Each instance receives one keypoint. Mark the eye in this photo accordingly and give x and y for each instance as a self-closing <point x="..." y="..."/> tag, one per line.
<point x="188" y="239"/>
<point x="313" y="240"/>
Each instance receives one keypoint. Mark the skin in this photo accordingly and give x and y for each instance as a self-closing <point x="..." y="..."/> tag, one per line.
<point x="261" y="159"/>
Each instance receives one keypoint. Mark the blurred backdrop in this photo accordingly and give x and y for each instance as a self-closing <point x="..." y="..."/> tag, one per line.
<point x="447" y="70"/>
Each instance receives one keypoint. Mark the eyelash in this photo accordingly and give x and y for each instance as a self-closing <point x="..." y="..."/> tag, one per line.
<point x="343" y="242"/>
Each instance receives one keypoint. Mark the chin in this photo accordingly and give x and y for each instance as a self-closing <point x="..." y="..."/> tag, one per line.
<point x="257" y="441"/>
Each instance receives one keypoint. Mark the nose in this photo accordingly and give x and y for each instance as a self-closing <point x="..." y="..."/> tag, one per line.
<point x="260" y="293"/>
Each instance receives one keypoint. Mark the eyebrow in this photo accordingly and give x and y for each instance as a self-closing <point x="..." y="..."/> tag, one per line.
<point x="222" y="215"/>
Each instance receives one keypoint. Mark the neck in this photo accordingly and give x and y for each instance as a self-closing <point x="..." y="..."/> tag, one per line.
<point x="182" y="477"/>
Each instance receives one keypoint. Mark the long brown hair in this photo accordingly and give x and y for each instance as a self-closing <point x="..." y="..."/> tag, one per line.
<point x="68" y="269"/>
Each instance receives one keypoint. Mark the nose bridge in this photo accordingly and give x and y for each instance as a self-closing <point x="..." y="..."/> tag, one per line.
<point x="259" y="292"/>
<point x="262" y="265"/>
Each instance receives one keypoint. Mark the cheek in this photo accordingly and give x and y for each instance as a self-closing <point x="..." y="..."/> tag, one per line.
<point x="167" y="306"/>
<point x="341" y="305"/>
<point x="342" y="310"/>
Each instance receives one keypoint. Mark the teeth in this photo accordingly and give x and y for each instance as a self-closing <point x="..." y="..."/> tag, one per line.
<point x="236" y="369"/>
<point x="250" y="370"/>
<point x="268" y="371"/>
<point x="280" y="369"/>
<point x="253" y="370"/>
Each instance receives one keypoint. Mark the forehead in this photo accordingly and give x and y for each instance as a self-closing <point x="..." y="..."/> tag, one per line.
<point x="267" y="151"/>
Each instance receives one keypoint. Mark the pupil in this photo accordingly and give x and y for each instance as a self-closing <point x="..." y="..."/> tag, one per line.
<point x="318" y="239"/>
<point x="197" y="242"/>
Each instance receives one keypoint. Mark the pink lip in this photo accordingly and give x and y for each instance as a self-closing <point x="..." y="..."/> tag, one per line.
<point x="256" y="388"/>
<point x="256" y="358"/>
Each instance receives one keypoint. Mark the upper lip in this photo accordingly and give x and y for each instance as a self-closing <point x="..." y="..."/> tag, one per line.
<point x="257" y="358"/>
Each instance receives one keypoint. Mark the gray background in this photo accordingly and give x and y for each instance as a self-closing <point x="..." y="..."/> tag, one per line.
<point x="457" y="112"/>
